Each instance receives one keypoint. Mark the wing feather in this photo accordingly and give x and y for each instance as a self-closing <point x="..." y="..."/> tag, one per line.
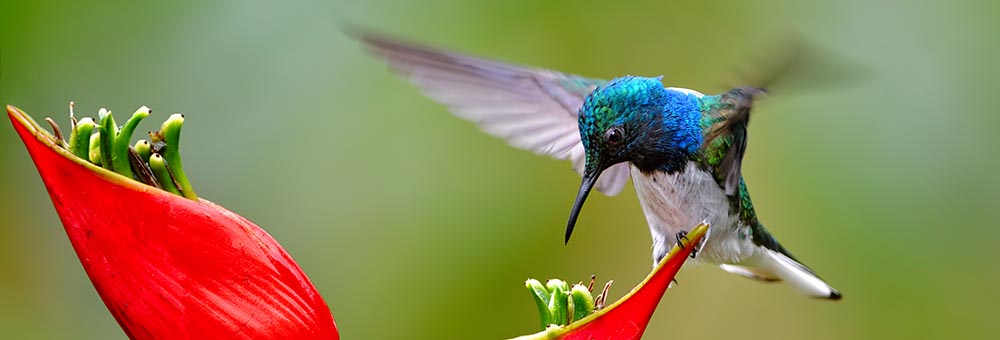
<point x="728" y="136"/>
<point x="533" y="109"/>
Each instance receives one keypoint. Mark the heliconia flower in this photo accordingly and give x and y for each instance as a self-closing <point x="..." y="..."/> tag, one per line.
<point x="168" y="266"/>
<point x="625" y="319"/>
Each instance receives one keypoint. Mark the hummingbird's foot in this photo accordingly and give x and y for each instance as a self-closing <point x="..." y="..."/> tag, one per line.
<point x="681" y="235"/>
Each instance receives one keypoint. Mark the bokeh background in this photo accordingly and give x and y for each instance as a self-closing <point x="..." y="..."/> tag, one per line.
<point x="414" y="225"/>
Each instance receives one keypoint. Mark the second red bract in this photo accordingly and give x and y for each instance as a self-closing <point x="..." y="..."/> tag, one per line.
<point x="168" y="267"/>
<point x="627" y="318"/>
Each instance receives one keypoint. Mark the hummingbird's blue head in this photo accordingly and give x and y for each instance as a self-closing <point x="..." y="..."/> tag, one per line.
<point x="637" y="120"/>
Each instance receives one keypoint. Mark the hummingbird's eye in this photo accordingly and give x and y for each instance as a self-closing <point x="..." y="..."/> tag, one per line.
<point x="614" y="135"/>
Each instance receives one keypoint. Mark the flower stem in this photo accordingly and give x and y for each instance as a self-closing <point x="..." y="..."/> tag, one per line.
<point x="162" y="173"/>
<point x="582" y="302"/>
<point x="94" y="154"/>
<point x="541" y="295"/>
<point x="108" y="131"/>
<point x="120" y="143"/>
<point x="171" y="131"/>
<point x="79" y="138"/>
<point x="144" y="149"/>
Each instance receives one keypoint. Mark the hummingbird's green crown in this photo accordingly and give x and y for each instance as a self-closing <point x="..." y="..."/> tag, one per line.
<point x="636" y="119"/>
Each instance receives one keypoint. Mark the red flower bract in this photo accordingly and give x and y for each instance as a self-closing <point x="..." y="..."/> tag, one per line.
<point x="627" y="318"/>
<point x="168" y="267"/>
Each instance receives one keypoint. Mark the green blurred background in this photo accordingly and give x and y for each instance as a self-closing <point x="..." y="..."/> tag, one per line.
<point x="414" y="225"/>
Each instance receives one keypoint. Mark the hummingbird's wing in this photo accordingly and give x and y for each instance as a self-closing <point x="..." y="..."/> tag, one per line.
<point x="726" y="138"/>
<point x="533" y="109"/>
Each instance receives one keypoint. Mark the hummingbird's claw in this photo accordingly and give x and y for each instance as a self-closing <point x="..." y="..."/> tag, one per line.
<point x="681" y="235"/>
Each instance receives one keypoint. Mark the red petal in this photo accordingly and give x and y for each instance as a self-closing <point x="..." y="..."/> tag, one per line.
<point x="171" y="268"/>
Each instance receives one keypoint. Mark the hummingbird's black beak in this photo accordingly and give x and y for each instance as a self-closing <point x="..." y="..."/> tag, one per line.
<point x="589" y="179"/>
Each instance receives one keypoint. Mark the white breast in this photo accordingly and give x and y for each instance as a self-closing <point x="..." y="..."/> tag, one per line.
<point x="679" y="201"/>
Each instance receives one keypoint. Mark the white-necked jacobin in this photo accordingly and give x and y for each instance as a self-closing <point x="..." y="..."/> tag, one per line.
<point x="682" y="149"/>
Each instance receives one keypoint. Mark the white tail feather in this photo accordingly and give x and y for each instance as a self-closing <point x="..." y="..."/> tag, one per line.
<point x="750" y="272"/>
<point x="798" y="276"/>
<point x="769" y="265"/>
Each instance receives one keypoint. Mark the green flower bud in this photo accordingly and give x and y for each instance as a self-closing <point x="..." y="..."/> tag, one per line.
<point x="79" y="138"/>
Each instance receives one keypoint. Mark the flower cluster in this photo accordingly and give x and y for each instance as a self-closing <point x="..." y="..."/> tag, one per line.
<point x="167" y="266"/>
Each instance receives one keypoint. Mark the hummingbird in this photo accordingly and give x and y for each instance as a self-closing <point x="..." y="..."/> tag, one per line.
<point x="682" y="149"/>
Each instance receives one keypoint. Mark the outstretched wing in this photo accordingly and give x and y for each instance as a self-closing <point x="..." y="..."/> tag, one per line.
<point x="533" y="109"/>
<point x="726" y="136"/>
